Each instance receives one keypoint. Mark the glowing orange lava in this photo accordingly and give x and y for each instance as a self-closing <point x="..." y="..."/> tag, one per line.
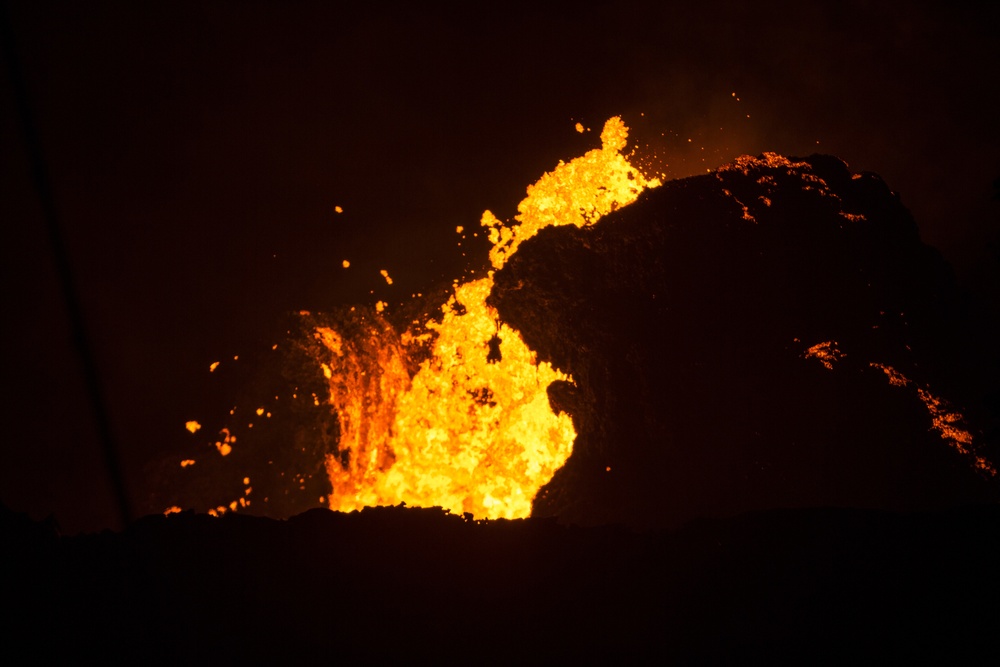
<point x="472" y="429"/>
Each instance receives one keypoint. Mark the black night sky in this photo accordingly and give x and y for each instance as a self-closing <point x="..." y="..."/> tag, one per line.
<point x="196" y="152"/>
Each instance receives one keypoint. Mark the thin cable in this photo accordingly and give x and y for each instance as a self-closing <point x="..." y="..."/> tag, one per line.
<point x="81" y="341"/>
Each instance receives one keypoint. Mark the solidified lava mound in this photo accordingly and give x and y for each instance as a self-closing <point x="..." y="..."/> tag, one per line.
<point x="773" y="334"/>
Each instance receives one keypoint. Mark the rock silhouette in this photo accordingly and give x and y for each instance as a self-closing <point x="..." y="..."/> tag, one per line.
<point x="688" y="321"/>
<point x="405" y="585"/>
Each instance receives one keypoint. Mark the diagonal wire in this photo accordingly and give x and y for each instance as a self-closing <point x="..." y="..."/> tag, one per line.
<point x="81" y="341"/>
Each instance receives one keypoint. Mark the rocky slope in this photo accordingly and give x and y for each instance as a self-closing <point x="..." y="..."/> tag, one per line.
<point x="773" y="334"/>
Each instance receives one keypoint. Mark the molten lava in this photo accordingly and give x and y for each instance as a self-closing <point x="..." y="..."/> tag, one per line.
<point x="472" y="429"/>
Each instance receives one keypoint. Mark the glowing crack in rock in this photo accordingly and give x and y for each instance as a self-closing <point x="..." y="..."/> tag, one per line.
<point x="471" y="430"/>
<point x="826" y="353"/>
<point x="746" y="210"/>
<point x="803" y="171"/>
<point x="947" y="422"/>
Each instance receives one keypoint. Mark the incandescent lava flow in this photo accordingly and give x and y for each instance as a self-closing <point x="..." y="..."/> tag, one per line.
<point x="471" y="430"/>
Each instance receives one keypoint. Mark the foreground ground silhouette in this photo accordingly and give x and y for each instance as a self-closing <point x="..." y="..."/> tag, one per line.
<point x="418" y="586"/>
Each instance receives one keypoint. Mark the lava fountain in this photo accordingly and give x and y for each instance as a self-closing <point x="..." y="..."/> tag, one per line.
<point x="469" y="428"/>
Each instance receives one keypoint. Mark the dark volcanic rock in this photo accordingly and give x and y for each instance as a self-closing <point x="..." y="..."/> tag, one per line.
<point x="685" y="321"/>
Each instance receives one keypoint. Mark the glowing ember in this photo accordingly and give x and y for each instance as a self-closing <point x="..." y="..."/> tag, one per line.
<point x="225" y="446"/>
<point x="472" y="429"/>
